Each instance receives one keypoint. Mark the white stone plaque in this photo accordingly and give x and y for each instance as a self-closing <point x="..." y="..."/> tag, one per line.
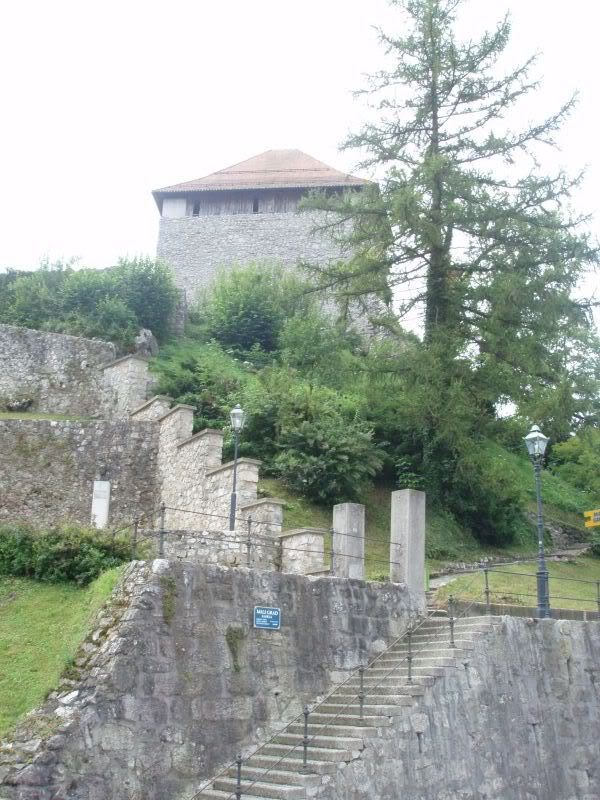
<point x="100" y="504"/>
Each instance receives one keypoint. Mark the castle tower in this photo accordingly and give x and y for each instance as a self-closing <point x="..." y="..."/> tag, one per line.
<point x="246" y="212"/>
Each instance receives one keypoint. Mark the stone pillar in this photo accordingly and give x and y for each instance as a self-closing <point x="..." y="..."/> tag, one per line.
<point x="348" y="560"/>
<point x="407" y="540"/>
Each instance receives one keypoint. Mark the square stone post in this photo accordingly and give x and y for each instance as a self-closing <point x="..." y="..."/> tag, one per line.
<point x="407" y="541"/>
<point x="348" y="560"/>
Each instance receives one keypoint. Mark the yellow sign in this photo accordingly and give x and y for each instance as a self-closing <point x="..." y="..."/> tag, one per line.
<point x="592" y="518"/>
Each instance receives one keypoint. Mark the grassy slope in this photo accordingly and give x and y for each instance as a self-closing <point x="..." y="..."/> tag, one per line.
<point x="41" y="626"/>
<point x="299" y="512"/>
<point x="562" y="502"/>
<point x="516" y="590"/>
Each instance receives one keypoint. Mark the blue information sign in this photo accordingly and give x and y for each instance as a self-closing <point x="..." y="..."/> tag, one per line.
<point x="267" y="618"/>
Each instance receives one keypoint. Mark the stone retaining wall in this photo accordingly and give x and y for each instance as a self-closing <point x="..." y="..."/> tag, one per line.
<point x="174" y="679"/>
<point x="60" y="374"/>
<point x="517" y="720"/>
<point x="47" y="469"/>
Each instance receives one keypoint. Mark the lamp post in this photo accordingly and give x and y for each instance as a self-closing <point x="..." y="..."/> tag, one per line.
<point x="536" y="447"/>
<point x="237" y="416"/>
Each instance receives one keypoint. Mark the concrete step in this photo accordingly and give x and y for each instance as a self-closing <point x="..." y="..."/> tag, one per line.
<point x="373" y="713"/>
<point x="424" y="650"/>
<point x="317" y="753"/>
<point x="400" y="673"/>
<point x="292" y="764"/>
<point x="348" y="715"/>
<point x="348" y="694"/>
<point x="441" y="639"/>
<point x="383" y="705"/>
<point x="273" y="791"/>
<point x="445" y="660"/>
<point x="463" y="622"/>
<point x="334" y="729"/>
<point x="270" y="774"/>
<point x="322" y="740"/>
<point x="401" y="690"/>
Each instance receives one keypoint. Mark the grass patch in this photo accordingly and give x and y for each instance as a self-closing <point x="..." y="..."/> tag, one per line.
<point x="520" y="589"/>
<point x="41" y="627"/>
<point x="169" y="597"/>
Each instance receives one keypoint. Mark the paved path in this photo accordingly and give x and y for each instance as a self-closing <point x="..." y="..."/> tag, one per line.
<point x="444" y="580"/>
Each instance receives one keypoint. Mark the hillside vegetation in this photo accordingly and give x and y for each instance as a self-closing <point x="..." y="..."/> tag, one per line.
<point x="336" y="418"/>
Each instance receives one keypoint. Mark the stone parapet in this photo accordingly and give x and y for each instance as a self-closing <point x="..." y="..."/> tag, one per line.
<point x="407" y="541"/>
<point x="348" y="545"/>
<point x="303" y="551"/>
<point x="127" y="383"/>
<point x="152" y="409"/>
<point x="219" y="481"/>
<point x="206" y="447"/>
<point x="266" y="515"/>
<point x="52" y="373"/>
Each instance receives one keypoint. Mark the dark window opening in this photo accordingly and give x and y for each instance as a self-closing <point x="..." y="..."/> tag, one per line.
<point x="196" y="210"/>
<point x="255" y="206"/>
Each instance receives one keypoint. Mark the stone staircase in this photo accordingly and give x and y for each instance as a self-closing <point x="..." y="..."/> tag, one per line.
<point x="336" y="731"/>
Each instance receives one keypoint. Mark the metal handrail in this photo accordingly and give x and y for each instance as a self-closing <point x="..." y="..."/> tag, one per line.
<point x="534" y="575"/>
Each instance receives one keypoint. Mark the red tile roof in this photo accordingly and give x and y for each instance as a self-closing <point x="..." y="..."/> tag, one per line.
<point x="274" y="169"/>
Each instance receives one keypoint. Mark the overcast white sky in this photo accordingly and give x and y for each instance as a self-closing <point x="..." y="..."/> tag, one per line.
<point x="104" y="101"/>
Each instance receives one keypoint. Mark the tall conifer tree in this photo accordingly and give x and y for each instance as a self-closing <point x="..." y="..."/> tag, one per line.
<point x="464" y="225"/>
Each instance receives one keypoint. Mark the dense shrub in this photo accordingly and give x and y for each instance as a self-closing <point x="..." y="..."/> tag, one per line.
<point x="65" y="554"/>
<point x="327" y="460"/>
<point x="247" y="307"/>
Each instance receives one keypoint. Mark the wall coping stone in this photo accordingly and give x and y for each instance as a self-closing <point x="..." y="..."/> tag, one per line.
<point x="54" y="333"/>
<point x="264" y="501"/>
<point x="149" y="402"/>
<point x="199" y="435"/>
<point x="131" y="356"/>
<point x="229" y="465"/>
<point x="300" y="531"/>
<point x="174" y="409"/>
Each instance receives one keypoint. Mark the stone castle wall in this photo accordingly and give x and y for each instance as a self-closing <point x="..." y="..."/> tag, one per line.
<point x="61" y="374"/>
<point x="197" y="247"/>
<point x="47" y="469"/>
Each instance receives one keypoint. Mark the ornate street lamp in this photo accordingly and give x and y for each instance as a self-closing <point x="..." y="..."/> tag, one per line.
<point x="536" y="447"/>
<point x="237" y="416"/>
